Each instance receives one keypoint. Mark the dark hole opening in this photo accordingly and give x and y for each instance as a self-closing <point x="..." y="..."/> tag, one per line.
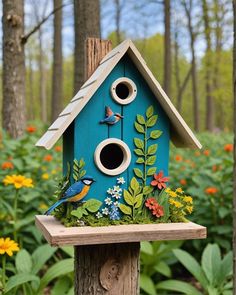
<point x="122" y="90"/>
<point x="111" y="156"/>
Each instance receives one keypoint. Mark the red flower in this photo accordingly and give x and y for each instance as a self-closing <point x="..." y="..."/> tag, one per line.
<point x="211" y="190"/>
<point x="48" y="158"/>
<point x="229" y="147"/>
<point x="183" y="181"/>
<point x="58" y="148"/>
<point x="159" y="180"/>
<point x="7" y="165"/>
<point x="206" y="152"/>
<point x="178" y="158"/>
<point x="31" y="129"/>
<point x="158" y="211"/>
<point x="150" y="203"/>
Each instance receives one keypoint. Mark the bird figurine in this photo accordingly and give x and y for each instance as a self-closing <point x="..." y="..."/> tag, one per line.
<point x="111" y="117"/>
<point x="75" y="193"/>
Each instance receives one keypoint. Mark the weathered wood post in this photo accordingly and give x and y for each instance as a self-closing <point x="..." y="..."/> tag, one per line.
<point x="113" y="268"/>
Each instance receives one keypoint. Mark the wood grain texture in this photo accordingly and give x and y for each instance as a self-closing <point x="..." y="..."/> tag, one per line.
<point x="107" y="269"/>
<point x="181" y="134"/>
<point x="58" y="235"/>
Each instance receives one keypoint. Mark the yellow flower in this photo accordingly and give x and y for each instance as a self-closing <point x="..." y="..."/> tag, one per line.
<point x="172" y="194"/>
<point x="45" y="176"/>
<point x="188" y="199"/>
<point x="54" y="171"/>
<point x="8" y="246"/>
<point x="177" y="204"/>
<point x="168" y="190"/>
<point x="179" y="190"/>
<point x="189" y="209"/>
<point x="43" y="206"/>
<point x="18" y="181"/>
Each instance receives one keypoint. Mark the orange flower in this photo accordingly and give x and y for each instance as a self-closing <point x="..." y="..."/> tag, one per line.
<point x="214" y="168"/>
<point x="158" y="211"/>
<point x="183" y="181"/>
<point x="206" y="152"/>
<point x="7" y="165"/>
<point x="31" y="129"/>
<point x="229" y="147"/>
<point x="211" y="190"/>
<point x="152" y="205"/>
<point x="159" y="180"/>
<point x="58" y="148"/>
<point x="178" y="158"/>
<point x="48" y="158"/>
<point x="197" y="153"/>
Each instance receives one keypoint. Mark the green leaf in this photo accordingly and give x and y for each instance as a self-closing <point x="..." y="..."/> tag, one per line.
<point x="191" y="264"/>
<point x="138" y="173"/>
<point x="139" y="152"/>
<point x="152" y="149"/>
<point x="151" y="171"/>
<point x="140" y="161"/>
<point x="23" y="261"/>
<point x="78" y="212"/>
<point x="128" y="198"/>
<point x="61" y="286"/>
<point x="163" y="268"/>
<point x="138" y="201"/>
<point x="155" y="134"/>
<point x="211" y="262"/>
<point x="92" y="205"/>
<point x="151" y="160"/>
<point x="81" y="163"/>
<point x="140" y="119"/>
<point x="139" y="127"/>
<point x="178" y="286"/>
<point x="135" y="185"/>
<point x="139" y="143"/>
<point x="147" y="284"/>
<point x="82" y="173"/>
<point x="149" y="111"/>
<point x="40" y="256"/>
<point x="20" y="279"/>
<point x="58" y="269"/>
<point x="152" y="121"/>
<point x="146" y="248"/>
<point x="69" y="250"/>
<point x="125" y="209"/>
<point x="226" y="267"/>
<point x="147" y="189"/>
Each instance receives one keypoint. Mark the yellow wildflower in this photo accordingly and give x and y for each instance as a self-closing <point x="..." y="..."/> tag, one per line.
<point x="179" y="190"/>
<point x="54" y="171"/>
<point x="18" y="181"/>
<point x="45" y="176"/>
<point x="167" y="190"/>
<point x="172" y="194"/>
<point x="43" y="206"/>
<point x="177" y="204"/>
<point x="188" y="199"/>
<point x="189" y="209"/>
<point x="8" y="246"/>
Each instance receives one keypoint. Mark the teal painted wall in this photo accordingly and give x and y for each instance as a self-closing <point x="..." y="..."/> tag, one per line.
<point x="88" y="133"/>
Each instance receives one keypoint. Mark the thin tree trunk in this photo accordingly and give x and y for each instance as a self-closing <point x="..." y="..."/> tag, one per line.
<point x="31" y="90"/>
<point x="13" y="110"/>
<point x="192" y="34"/>
<point x="117" y="17"/>
<point x="167" y="48"/>
<point x="57" y="88"/>
<point x="86" y="24"/>
<point x="234" y="180"/>
<point x="208" y="64"/>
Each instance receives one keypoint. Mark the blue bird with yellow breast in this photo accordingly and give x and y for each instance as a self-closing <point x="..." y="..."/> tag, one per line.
<point x="111" y="117"/>
<point x="75" y="193"/>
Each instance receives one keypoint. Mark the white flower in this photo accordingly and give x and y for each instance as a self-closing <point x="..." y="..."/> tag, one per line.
<point x="116" y="189"/>
<point x="110" y="191"/>
<point x="120" y="180"/>
<point x="99" y="215"/>
<point x="105" y="211"/>
<point x="116" y="195"/>
<point x="116" y="204"/>
<point x="108" y="201"/>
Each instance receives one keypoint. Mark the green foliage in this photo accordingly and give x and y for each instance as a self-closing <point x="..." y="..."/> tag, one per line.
<point x="90" y="206"/>
<point x="145" y="153"/>
<point x="78" y="169"/>
<point x="134" y="200"/>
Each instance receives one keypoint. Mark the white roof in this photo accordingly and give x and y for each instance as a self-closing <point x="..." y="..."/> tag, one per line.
<point x="181" y="134"/>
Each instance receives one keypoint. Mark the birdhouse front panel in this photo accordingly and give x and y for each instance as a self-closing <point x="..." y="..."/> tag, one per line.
<point x="112" y="150"/>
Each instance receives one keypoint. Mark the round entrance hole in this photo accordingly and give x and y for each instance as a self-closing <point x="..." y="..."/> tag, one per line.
<point x="112" y="156"/>
<point x="123" y="90"/>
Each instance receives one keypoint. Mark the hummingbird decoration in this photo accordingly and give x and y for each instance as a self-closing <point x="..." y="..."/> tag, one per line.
<point x="111" y="117"/>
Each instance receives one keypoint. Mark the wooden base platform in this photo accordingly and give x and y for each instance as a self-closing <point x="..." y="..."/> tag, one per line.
<point x="58" y="235"/>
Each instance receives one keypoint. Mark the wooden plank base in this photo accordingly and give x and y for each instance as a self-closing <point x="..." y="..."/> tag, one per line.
<point x="110" y="269"/>
<point x="58" y="235"/>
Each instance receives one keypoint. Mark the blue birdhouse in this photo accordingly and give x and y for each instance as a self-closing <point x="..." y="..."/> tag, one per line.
<point x="118" y="128"/>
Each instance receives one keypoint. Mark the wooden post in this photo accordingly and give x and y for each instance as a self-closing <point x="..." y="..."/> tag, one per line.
<point x="110" y="269"/>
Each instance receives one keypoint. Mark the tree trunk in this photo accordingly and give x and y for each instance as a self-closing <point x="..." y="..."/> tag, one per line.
<point x="86" y="24"/>
<point x="31" y="115"/>
<point x="117" y="17"/>
<point x="234" y="180"/>
<point x="57" y="88"/>
<point x="110" y="269"/>
<point x="13" y="110"/>
<point x="208" y="64"/>
<point x="167" y="48"/>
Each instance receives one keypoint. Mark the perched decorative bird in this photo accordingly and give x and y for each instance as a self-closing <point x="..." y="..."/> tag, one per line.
<point x="74" y="193"/>
<point x="111" y="118"/>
